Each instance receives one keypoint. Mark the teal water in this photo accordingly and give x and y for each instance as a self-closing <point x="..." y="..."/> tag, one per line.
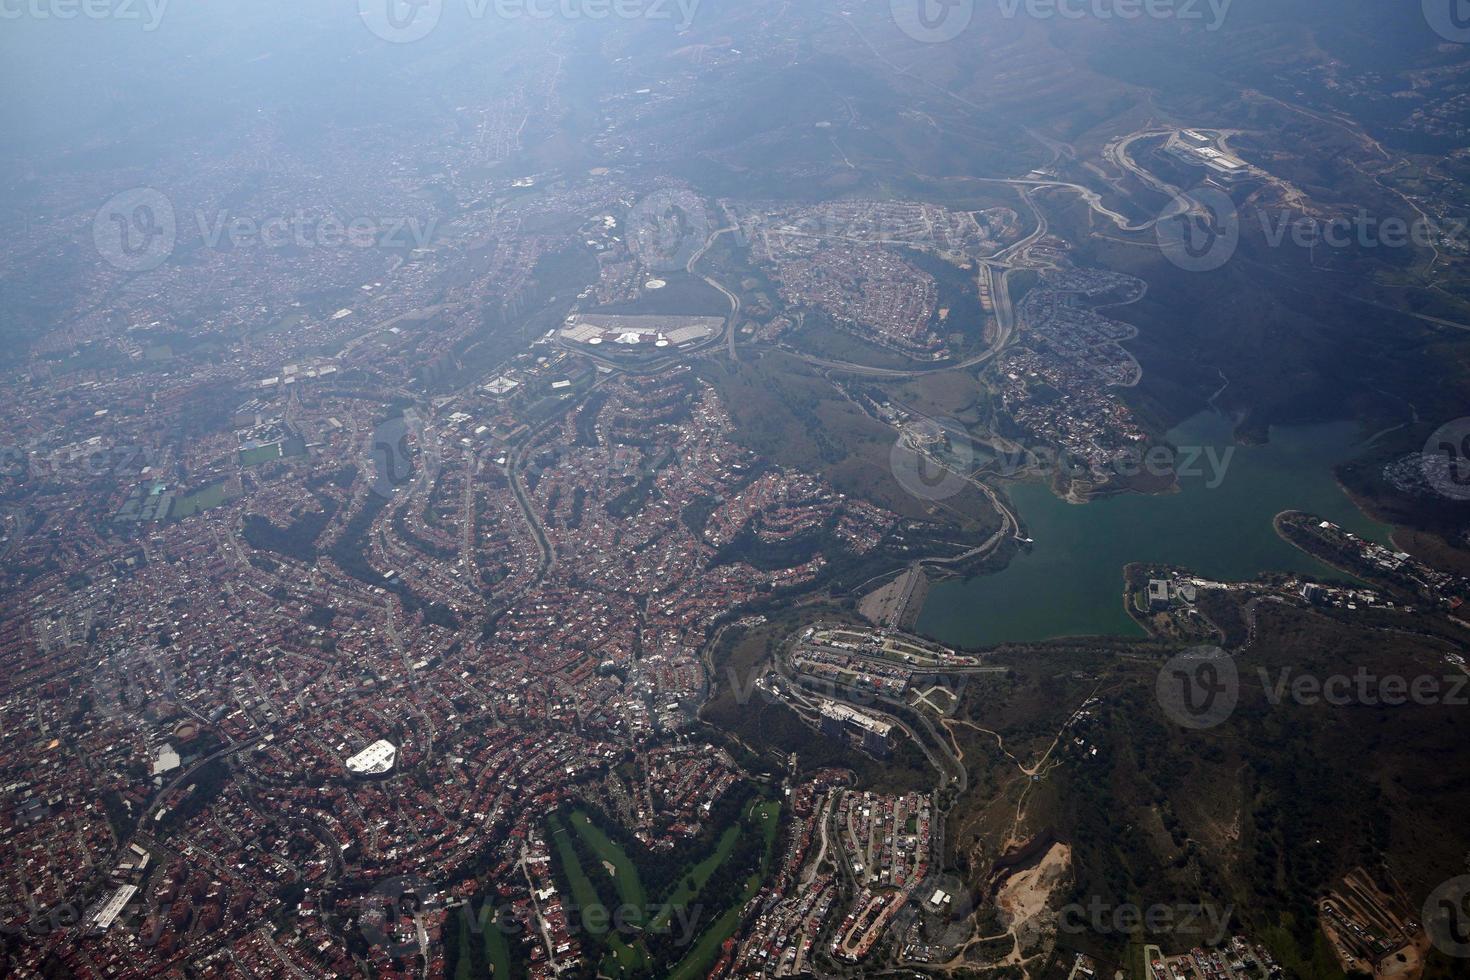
<point x="1071" y="581"/>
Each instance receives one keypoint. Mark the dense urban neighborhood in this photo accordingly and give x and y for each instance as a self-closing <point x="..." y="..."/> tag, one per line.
<point x="674" y="491"/>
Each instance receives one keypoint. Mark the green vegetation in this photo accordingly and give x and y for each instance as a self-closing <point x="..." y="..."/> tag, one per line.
<point x="198" y="501"/>
<point x="1321" y="963"/>
<point x="474" y="947"/>
<point x="630" y="887"/>
<point x="776" y="731"/>
<point x="260" y="454"/>
<point x="298" y="539"/>
<point x="1261" y="815"/>
<point x="719" y="883"/>
<point x="765" y="818"/>
<point x="623" y="958"/>
<point x="205" y="786"/>
<point x="465" y="966"/>
<point x="787" y="412"/>
<point x="629" y="960"/>
<point x="350" y="552"/>
<point x="582" y="890"/>
<point x="690" y="884"/>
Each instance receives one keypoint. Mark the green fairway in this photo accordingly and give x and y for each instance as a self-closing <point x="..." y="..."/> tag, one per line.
<point x="622" y="957"/>
<point x="629" y="885"/>
<point x="583" y="892"/>
<point x="260" y="454"/>
<point x="198" y="501"/>
<point x="707" y="949"/>
<point x="486" y="931"/>
<point x="465" y="969"/>
<point x="497" y="951"/>
<point x="699" y="874"/>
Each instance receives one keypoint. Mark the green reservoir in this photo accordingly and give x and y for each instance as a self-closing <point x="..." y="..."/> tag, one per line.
<point x="1070" y="582"/>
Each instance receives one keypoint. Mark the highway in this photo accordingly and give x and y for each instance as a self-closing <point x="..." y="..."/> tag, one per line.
<point x="1012" y="258"/>
<point x="734" y="300"/>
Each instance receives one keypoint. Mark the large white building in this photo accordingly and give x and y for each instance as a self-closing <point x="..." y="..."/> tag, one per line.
<point x="602" y="330"/>
<point x="375" y="760"/>
<point x="1199" y="149"/>
<point x="107" y="913"/>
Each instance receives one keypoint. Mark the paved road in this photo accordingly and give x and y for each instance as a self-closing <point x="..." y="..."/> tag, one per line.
<point x="734" y="300"/>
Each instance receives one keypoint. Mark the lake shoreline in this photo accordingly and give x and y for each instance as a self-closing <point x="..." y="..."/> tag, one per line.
<point x="1219" y="523"/>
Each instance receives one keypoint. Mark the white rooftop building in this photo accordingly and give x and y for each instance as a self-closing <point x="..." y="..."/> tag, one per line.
<point x="375" y="760"/>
